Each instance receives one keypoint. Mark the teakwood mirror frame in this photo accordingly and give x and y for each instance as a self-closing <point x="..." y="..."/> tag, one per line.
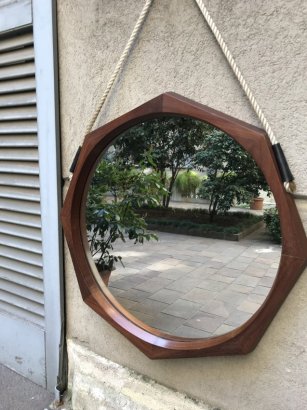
<point x="152" y="342"/>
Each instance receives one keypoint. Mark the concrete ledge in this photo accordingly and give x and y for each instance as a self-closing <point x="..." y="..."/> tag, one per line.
<point x="98" y="383"/>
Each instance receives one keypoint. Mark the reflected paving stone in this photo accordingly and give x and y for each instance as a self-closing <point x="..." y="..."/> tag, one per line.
<point x="244" y="259"/>
<point x="115" y="291"/>
<point x="185" y="284"/>
<point x="153" y="285"/>
<point x="240" y="288"/>
<point x="222" y="278"/>
<point x="266" y="281"/>
<point x="247" y="280"/>
<point x="253" y="297"/>
<point x="214" y="264"/>
<point x="135" y="295"/>
<point x="237" y="265"/>
<point x="192" y="263"/>
<point x="173" y="273"/>
<point x="182" y="308"/>
<point x="202" y="270"/>
<point x="233" y="273"/>
<point x="271" y="272"/>
<point x="127" y="303"/>
<point x="127" y="282"/>
<point x="160" y="266"/>
<point x="223" y="329"/>
<point x="198" y="295"/>
<point x="172" y="261"/>
<point x="256" y="271"/>
<point x="218" y="308"/>
<point x="249" y="306"/>
<point x="197" y="248"/>
<point x="234" y="298"/>
<point x="191" y="332"/>
<point x="212" y="285"/>
<point x="237" y="318"/>
<point x="166" y="295"/>
<point x="261" y="290"/>
<point x="150" y="274"/>
<point x="205" y="321"/>
<point x="144" y="317"/>
<point x="150" y="306"/>
<point x="165" y="322"/>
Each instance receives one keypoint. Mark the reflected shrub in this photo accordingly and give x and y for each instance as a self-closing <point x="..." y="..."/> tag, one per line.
<point x="272" y="222"/>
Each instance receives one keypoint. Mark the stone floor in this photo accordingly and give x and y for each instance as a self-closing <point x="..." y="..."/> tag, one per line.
<point x="195" y="287"/>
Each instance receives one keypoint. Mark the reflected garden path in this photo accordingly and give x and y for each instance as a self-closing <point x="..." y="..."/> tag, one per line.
<point x="195" y="287"/>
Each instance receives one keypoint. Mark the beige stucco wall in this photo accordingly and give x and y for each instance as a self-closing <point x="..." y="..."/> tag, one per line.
<point x="176" y="52"/>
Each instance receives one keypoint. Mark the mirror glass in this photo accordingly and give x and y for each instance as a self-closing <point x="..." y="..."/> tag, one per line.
<point x="182" y="227"/>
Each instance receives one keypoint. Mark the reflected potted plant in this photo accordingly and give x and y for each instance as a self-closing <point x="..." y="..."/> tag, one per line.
<point x="115" y="193"/>
<point x="256" y="204"/>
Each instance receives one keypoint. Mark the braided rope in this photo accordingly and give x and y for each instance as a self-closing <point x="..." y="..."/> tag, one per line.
<point x="120" y="63"/>
<point x="289" y="186"/>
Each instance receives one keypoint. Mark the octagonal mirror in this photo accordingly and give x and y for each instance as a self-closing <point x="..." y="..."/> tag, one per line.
<point x="180" y="230"/>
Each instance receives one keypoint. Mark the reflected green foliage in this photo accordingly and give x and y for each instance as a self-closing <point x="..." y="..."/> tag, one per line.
<point x="232" y="174"/>
<point x="172" y="142"/>
<point x="114" y="192"/>
<point x="187" y="183"/>
<point x="272" y="222"/>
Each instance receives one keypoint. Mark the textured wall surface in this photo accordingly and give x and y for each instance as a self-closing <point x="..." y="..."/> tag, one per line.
<point x="98" y="383"/>
<point x="176" y="52"/>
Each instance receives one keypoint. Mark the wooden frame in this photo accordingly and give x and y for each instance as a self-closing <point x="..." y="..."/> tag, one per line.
<point x="154" y="343"/>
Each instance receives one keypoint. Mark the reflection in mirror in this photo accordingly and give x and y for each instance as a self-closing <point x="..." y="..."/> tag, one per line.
<point x="182" y="227"/>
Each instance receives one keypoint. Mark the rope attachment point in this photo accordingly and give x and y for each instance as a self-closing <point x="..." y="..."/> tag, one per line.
<point x="286" y="174"/>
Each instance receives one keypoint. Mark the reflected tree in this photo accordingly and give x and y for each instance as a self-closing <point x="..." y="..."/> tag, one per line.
<point x="232" y="174"/>
<point x="172" y="143"/>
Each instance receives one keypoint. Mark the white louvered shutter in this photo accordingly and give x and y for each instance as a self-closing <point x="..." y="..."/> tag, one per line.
<point x="21" y="270"/>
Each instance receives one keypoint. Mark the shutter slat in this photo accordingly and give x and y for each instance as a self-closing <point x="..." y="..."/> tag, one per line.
<point x="22" y="303"/>
<point x="15" y="141"/>
<point x="19" y="167"/>
<point x="18" y="127"/>
<point x="20" y="231"/>
<point x="26" y="194"/>
<point x="21" y="113"/>
<point x="20" y="218"/>
<point x="26" y="207"/>
<point x="17" y="56"/>
<point x="26" y="181"/>
<point x="16" y="42"/>
<point x="25" y="270"/>
<point x="15" y="310"/>
<point x="18" y="85"/>
<point x="21" y="280"/>
<point x="16" y="242"/>
<point x="25" y="154"/>
<point x="16" y="100"/>
<point x="21" y="291"/>
<point x="17" y="71"/>
<point x="21" y="255"/>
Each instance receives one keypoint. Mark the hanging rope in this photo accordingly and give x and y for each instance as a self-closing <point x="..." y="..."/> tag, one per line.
<point x="281" y="160"/>
<point x="286" y="174"/>
<point x="121" y="62"/>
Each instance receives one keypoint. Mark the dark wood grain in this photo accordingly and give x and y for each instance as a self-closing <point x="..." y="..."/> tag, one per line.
<point x="154" y="343"/>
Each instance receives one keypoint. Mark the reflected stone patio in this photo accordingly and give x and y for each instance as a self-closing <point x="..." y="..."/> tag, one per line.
<point x="195" y="287"/>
